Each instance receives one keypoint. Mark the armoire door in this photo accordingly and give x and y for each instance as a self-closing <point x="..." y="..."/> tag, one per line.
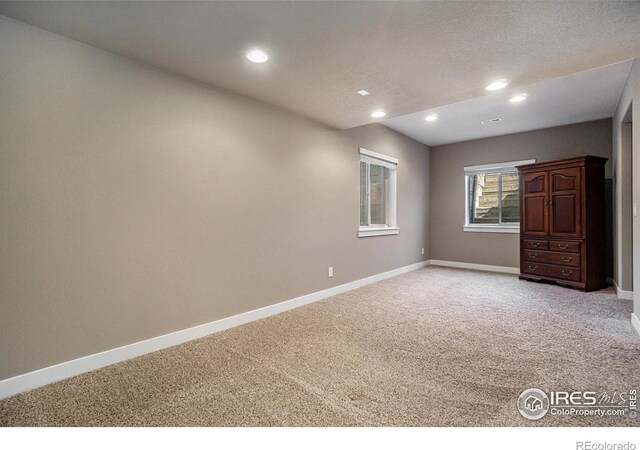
<point x="565" y="202"/>
<point x="534" y="218"/>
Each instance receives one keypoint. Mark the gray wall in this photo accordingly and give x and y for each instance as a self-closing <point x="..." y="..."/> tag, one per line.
<point x="448" y="241"/>
<point x="136" y="203"/>
<point x="622" y="206"/>
<point x="627" y="168"/>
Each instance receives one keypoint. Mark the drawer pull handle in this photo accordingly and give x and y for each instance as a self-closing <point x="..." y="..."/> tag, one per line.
<point x="533" y="268"/>
<point x="563" y="246"/>
<point x="535" y="244"/>
<point x="567" y="274"/>
<point x="567" y="260"/>
<point x="533" y="255"/>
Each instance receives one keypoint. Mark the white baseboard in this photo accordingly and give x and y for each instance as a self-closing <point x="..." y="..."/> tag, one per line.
<point x="41" y="377"/>
<point x="472" y="266"/>
<point x="635" y="322"/>
<point x="622" y="295"/>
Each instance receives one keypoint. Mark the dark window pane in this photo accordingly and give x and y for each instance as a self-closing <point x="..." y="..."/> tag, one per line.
<point x="510" y="198"/>
<point x="364" y="213"/>
<point x="483" y="197"/>
<point x="378" y="180"/>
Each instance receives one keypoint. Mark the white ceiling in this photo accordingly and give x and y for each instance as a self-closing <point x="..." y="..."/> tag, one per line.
<point x="411" y="56"/>
<point x="583" y="96"/>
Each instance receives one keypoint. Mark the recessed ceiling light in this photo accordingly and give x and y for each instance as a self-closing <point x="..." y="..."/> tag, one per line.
<point x="363" y="92"/>
<point x="257" y="55"/>
<point x="518" y="98"/>
<point x="496" y="85"/>
<point x="431" y="117"/>
<point x="377" y="114"/>
<point x="497" y="119"/>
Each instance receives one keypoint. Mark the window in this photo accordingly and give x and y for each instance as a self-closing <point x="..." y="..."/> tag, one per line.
<point x="492" y="193"/>
<point x="377" y="194"/>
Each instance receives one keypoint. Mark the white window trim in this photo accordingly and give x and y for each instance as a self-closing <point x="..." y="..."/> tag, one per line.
<point x="493" y="228"/>
<point x="377" y="231"/>
<point x="364" y="151"/>
<point x="371" y="157"/>
<point x="503" y="167"/>
<point x="497" y="167"/>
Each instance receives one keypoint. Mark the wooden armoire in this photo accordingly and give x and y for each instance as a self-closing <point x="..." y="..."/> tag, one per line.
<point x="562" y="222"/>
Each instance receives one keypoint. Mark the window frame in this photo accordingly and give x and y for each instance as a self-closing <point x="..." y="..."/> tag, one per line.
<point x="486" y="169"/>
<point x="390" y="227"/>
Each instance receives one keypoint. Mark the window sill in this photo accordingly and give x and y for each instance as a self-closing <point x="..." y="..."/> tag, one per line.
<point x="366" y="232"/>
<point x="491" y="229"/>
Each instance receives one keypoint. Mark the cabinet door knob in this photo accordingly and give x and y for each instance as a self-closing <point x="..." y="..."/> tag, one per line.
<point x="533" y="255"/>
<point x="563" y="246"/>
<point x="567" y="259"/>
<point x="535" y="244"/>
<point x="566" y="274"/>
<point x="533" y="268"/>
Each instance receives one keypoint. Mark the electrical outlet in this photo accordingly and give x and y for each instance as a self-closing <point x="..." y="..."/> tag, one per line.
<point x="330" y="272"/>
<point x="423" y="250"/>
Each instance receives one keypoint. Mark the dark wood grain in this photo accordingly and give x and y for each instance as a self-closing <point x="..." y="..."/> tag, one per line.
<point x="565" y="246"/>
<point x="536" y="244"/>
<point x="557" y="258"/>
<point x="550" y="271"/>
<point x="565" y="201"/>
<point x="562" y="222"/>
<point x="534" y="197"/>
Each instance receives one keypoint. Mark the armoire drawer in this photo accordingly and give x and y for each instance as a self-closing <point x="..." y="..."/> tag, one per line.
<point x="536" y="244"/>
<point x="562" y="246"/>
<point x="557" y="258"/>
<point x="547" y="270"/>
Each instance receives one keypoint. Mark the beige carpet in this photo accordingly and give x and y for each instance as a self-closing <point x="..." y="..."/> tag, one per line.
<point x="434" y="347"/>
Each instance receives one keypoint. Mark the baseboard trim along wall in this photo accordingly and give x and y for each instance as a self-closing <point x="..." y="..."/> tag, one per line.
<point x="472" y="266"/>
<point x="47" y="375"/>
<point x="622" y="295"/>
<point x="635" y="322"/>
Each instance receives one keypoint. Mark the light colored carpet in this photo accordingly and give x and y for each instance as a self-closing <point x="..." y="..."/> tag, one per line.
<point x="434" y="347"/>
